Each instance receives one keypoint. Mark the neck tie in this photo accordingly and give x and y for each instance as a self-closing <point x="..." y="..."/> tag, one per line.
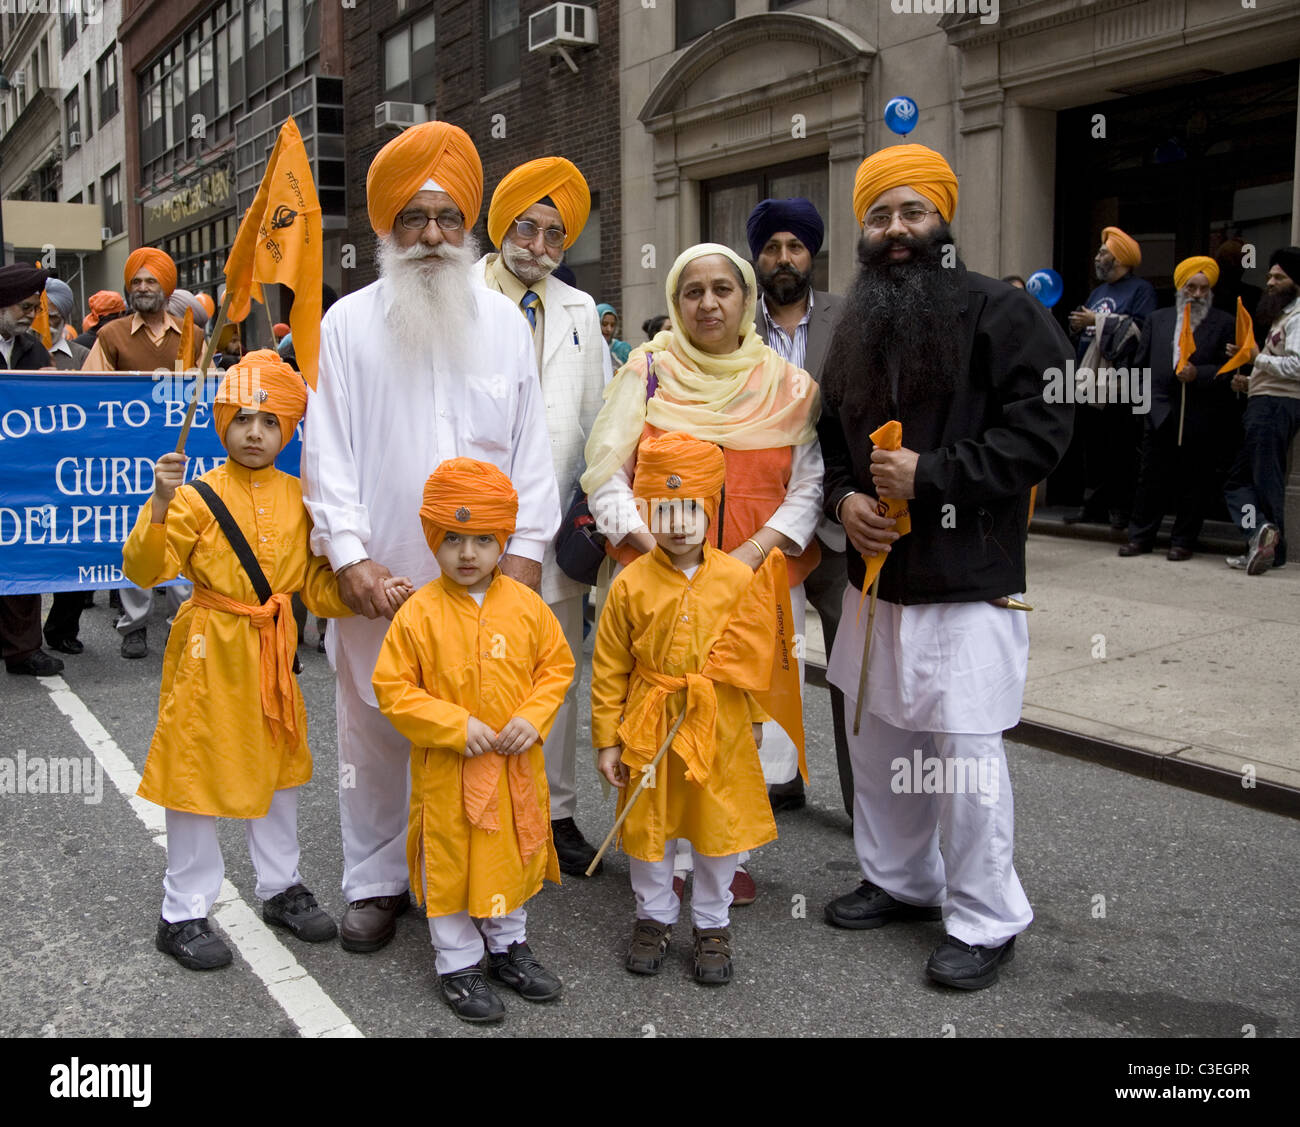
<point x="529" y="306"/>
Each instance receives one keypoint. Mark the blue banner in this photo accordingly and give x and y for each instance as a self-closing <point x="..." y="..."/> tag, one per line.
<point x="77" y="451"/>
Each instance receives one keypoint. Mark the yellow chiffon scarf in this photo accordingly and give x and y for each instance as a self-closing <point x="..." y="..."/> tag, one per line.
<point x="749" y="399"/>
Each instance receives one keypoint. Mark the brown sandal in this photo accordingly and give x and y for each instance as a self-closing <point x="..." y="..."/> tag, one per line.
<point x="713" y="956"/>
<point x="645" y="954"/>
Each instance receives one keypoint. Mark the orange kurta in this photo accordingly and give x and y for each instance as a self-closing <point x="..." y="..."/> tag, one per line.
<point x="658" y="619"/>
<point x="443" y="660"/>
<point x="214" y="750"/>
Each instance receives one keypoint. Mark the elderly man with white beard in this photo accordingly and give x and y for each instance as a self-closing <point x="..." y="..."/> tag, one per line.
<point x="422" y="365"/>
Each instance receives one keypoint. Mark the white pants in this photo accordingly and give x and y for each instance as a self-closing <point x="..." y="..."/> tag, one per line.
<point x="561" y="747"/>
<point x="374" y="797"/>
<point x="460" y="939"/>
<point x="195" y="867"/>
<point x="652" y="882"/>
<point x="137" y="603"/>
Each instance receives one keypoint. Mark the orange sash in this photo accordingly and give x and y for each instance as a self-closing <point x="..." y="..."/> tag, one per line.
<point x="479" y="781"/>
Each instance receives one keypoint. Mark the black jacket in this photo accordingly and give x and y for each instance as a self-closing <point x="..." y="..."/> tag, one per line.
<point x="980" y="453"/>
<point x="1208" y="394"/>
<point x="28" y="353"/>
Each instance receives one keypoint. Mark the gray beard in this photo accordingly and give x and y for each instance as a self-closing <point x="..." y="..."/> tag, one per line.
<point x="431" y="305"/>
<point x="1200" y="307"/>
<point x="523" y="266"/>
<point x="148" y="302"/>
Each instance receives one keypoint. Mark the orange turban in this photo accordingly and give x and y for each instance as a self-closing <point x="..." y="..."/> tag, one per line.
<point x="205" y="300"/>
<point x="263" y="382"/>
<point x="912" y="165"/>
<point x="104" y="303"/>
<point x="530" y="183"/>
<point x="158" y="263"/>
<point x="88" y="320"/>
<point x="470" y="497"/>
<point x="435" y="151"/>
<point x="1197" y="264"/>
<point x="677" y="465"/>
<point x="1124" y="249"/>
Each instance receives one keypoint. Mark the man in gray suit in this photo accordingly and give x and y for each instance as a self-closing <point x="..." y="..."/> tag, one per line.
<point x="797" y="322"/>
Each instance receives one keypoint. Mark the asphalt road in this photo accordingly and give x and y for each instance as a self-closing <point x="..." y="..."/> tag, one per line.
<point x="1199" y="936"/>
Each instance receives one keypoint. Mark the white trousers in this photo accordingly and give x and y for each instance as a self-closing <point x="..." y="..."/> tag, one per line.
<point x="374" y="797"/>
<point x="652" y="882"/>
<point x="561" y="747"/>
<point x="460" y="939"/>
<point x="195" y="867"/>
<point x="137" y="603"/>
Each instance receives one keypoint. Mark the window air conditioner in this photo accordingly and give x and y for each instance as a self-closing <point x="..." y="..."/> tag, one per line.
<point x="562" y="25"/>
<point x="74" y="139"/>
<point x="399" y="115"/>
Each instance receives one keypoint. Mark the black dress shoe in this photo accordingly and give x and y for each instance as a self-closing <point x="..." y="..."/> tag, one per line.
<point x="136" y="644"/>
<point x="1133" y="548"/>
<point x="787" y="796"/>
<point x="868" y="906"/>
<point x="1080" y="516"/>
<point x="1178" y="555"/>
<point x="40" y="664"/>
<point x="470" y="997"/>
<point x="65" y="645"/>
<point x="192" y="944"/>
<point x="295" y="909"/>
<point x="519" y="969"/>
<point x="575" y="853"/>
<point x="958" y="964"/>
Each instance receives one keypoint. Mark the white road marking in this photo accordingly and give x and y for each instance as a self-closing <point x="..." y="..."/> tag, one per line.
<point x="312" y="1011"/>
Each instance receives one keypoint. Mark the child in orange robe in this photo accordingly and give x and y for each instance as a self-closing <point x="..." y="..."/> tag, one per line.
<point x="472" y="672"/>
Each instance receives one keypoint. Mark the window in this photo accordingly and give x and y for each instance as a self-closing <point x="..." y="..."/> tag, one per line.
<point x="67" y="29"/>
<point x="48" y="179"/>
<point x="90" y="192"/>
<point x="409" y="74"/>
<point x="583" y="258"/>
<point x="72" y="119"/>
<point x="695" y="17"/>
<point x="112" y="195"/>
<point x="87" y="126"/>
<point x="502" y="63"/>
<point x="107" y="84"/>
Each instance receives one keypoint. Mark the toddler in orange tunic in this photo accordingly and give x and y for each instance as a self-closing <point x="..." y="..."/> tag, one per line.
<point x="231" y="739"/>
<point x="686" y="627"/>
<point x="472" y="672"/>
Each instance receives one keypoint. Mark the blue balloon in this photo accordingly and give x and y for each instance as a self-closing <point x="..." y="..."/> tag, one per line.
<point x="1046" y="285"/>
<point x="901" y="115"/>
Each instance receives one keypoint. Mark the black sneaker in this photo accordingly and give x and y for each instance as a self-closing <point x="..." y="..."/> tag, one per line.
<point x="574" y="851"/>
<point x="295" y="909"/>
<point x="869" y="906"/>
<point x="958" y="964"/>
<point x="135" y="644"/>
<point x="192" y="944"/>
<point x="519" y="969"/>
<point x="470" y="997"/>
<point x="40" y="664"/>
<point x="65" y="645"/>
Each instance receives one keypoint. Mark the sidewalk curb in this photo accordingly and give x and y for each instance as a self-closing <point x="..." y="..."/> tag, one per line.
<point x="1276" y="798"/>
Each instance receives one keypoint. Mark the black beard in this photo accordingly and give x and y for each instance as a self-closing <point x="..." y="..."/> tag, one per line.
<point x="896" y="328"/>
<point x="1272" y="302"/>
<point x="784" y="285"/>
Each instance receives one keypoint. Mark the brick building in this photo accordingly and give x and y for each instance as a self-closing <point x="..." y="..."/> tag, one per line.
<point x="467" y="62"/>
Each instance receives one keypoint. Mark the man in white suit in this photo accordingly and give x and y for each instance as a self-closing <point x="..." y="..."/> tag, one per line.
<point x="537" y="212"/>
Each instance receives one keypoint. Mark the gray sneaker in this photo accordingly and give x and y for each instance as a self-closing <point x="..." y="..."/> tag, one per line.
<point x="1262" y="546"/>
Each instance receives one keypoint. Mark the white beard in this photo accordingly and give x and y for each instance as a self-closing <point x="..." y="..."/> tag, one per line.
<point x="524" y="266"/>
<point x="431" y="306"/>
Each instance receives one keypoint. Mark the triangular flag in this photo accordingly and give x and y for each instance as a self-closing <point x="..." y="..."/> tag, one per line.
<point x="41" y="322"/>
<point x="887" y="437"/>
<point x="280" y="241"/>
<point x="1186" y="342"/>
<point x="186" y="357"/>
<point x="1245" y="341"/>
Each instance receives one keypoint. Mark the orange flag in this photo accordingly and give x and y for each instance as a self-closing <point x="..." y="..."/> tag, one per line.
<point x="186" y="356"/>
<point x="887" y="437"/>
<point x="1245" y="340"/>
<point x="280" y="241"/>
<point x="1186" y="342"/>
<point x="41" y="322"/>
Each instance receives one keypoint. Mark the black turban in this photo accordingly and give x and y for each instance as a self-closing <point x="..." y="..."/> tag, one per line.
<point x="1289" y="259"/>
<point x="19" y="281"/>
<point x="797" y="215"/>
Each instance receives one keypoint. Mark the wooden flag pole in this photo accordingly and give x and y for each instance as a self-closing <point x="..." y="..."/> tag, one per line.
<point x="866" y="652"/>
<point x="1182" y="411"/>
<point x="208" y="350"/>
<point x="648" y="773"/>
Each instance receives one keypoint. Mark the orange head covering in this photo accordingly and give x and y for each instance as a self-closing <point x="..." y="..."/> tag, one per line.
<point x="263" y="382"/>
<point x="530" y="183"/>
<point x="470" y="497"/>
<point x="911" y="165"/>
<point x="677" y="466"/>
<point x="158" y="263"/>
<point x="435" y="151"/>
<point x="205" y="300"/>
<point x="102" y="304"/>
<point x="88" y="320"/>
<point x="1197" y="264"/>
<point x="281" y="330"/>
<point x="1122" y="247"/>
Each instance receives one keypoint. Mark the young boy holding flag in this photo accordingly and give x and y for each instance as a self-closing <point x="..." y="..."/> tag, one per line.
<point x="688" y="617"/>
<point x="472" y="671"/>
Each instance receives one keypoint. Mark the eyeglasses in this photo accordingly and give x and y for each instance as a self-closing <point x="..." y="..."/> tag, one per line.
<point x="881" y="220"/>
<point x="29" y="306"/>
<point x="419" y="220"/>
<point x="527" y="230"/>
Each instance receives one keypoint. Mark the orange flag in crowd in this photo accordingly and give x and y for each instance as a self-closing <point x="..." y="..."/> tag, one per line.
<point x="186" y="356"/>
<point x="41" y="322"/>
<point x="887" y="437"/>
<point x="1245" y="340"/>
<point x="1186" y="342"/>
<point x="280" y="241"/>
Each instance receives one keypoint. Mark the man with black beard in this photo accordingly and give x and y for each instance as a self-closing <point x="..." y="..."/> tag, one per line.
<point x="1256" y="488"/>
<point x="960" y="361"/>
<point x="796" y="322"/>
<point x="1188" y="407"/>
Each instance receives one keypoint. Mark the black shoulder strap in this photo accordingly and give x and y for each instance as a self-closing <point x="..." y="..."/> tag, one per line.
<point x="236" y="537"/>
